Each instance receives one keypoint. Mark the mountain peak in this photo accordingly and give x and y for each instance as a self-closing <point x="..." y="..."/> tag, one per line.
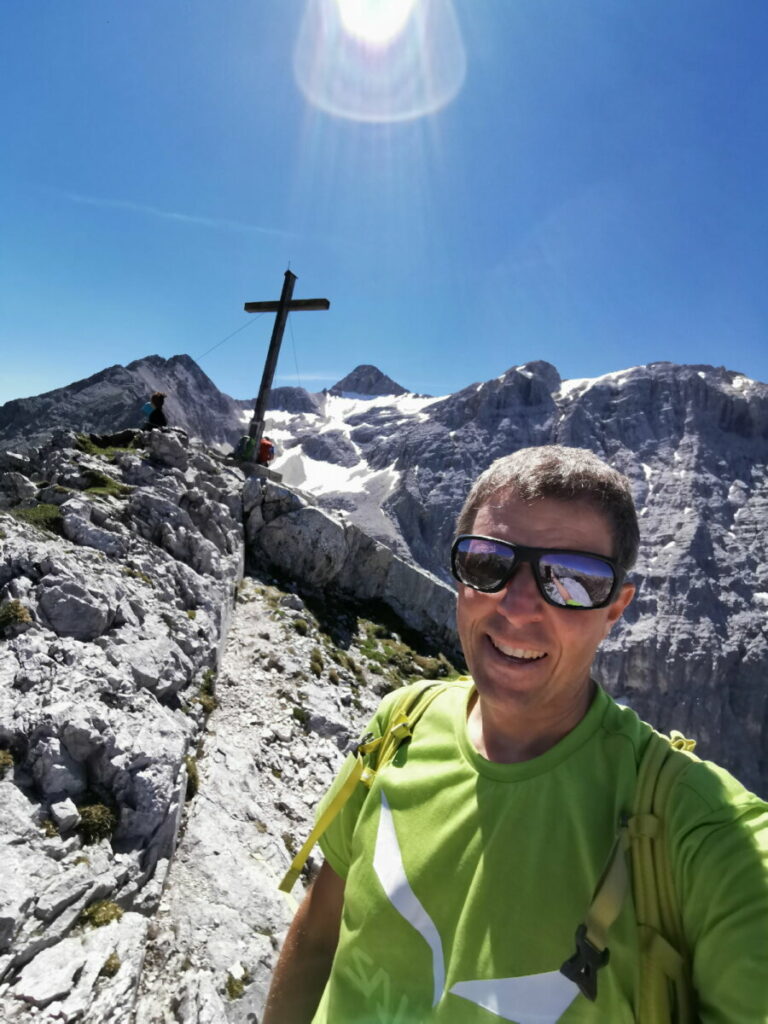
<point x="367" y="380"/>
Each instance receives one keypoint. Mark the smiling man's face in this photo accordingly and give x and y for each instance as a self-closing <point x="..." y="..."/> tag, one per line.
<point x="522" y="652"/>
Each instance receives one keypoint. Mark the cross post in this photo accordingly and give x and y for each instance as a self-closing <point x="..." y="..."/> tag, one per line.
<point x="284" y="305"/>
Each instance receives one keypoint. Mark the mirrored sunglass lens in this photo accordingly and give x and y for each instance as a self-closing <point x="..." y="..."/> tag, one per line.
<point x="483" y="564"/>
<point x="576" y="581"/>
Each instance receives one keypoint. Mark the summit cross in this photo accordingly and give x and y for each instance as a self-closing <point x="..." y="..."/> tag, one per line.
<point x="282" y="307"/>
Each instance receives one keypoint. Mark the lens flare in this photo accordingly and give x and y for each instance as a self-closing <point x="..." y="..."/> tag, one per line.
<point x="375" y="21"/>
<point x="379" y="60"/>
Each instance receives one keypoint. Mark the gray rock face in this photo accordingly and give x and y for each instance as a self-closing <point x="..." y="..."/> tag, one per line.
<point x="112" y="399"/>
<point x="124" y="609"/>
<point x="306" y="544"/>
<point x="367" y="380"/>
<point x="331" y="446"/>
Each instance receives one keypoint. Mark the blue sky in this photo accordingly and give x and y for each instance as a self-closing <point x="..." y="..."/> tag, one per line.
<point x="583" y="181"/>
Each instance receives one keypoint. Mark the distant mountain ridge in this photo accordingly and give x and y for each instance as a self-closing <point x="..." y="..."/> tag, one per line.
<point x="112" y="399"/>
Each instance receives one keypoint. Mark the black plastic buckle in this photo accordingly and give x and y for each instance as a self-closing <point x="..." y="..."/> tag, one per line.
<point x="583" y="966"/>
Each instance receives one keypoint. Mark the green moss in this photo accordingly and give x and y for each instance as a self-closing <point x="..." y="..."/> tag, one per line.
<point x="193" y="777"/>
<point x="97" y="821"/>
<point x="13" y="613"/>
<point x="100" y="913"/>
<point x="300" y="714"/>
<point x="43" y="516"/>
<point x="6" y="762"/>
<point x="235" y="987"/>
<point x="191" y="614"/>
<point x="111" y="966"/>
<point x="101" y="484"/>
<point x="301" y="626"/>
<point x="85" y="444"/>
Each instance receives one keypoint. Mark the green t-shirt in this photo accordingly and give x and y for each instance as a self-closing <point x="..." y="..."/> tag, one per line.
<point x="466" y="879"/>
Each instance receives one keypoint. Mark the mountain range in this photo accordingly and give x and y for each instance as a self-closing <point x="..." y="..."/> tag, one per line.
<point x="693" y="440"/>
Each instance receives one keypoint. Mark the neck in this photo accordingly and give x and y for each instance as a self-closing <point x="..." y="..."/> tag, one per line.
<point x="511" y="735"/>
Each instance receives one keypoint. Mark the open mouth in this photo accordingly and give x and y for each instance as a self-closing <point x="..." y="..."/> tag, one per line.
<point x="518" y="655"/>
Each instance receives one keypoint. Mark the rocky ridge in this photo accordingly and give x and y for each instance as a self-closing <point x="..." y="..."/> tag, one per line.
<point x="112" y="400"/>
<point x="117" y="579"/>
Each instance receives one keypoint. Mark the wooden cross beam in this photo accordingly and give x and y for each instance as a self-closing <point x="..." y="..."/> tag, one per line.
<point x="284" y="305"/>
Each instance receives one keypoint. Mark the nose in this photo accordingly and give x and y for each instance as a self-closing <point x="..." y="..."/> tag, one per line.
<point x="520" y="599"/>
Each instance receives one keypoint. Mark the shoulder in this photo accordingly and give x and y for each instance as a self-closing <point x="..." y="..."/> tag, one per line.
<point x="705" y="792"/>
<point x="408" y="698"/>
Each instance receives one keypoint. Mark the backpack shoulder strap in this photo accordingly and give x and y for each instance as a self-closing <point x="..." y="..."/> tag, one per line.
<point x="664" y="959"/>
<point x="368" y="757"/>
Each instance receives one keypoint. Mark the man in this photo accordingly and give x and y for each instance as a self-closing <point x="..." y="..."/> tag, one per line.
<point x="451" y="891"/>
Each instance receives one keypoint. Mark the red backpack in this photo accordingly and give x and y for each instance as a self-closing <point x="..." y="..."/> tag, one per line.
<point x="266" y="451"/>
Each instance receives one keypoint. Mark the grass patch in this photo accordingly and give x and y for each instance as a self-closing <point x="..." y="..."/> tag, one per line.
<point x="105" y="486"/>
<point x="300" y="714"/>
<point x="236" y="986"/>
<point x="111" y="966"/>
<point x="301" y="626"/>
<point x="191" y="614"/>
<point x="42" y="516"/>
<point x="206" y="696"/>
<point x="193" y="777"/>
<point x="100" y="913"/>
<point x="13" y="613"/>
<point x="50" y="828"/>
<point x="85" y="444"/>
<point x="6" y="762"/>
<point x="97" y="821"/>
<point x="316" y="663"/>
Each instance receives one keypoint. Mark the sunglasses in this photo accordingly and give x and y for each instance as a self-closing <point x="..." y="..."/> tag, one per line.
<point x="566" y="579"/>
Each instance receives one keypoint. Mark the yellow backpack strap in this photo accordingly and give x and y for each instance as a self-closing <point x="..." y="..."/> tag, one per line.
<point x="664" y="958"/>
<point x="592" y="935"/>
<point x="379" y="751"/>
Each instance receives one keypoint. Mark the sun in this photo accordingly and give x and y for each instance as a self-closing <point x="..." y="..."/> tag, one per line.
<point x="376" y="22"/>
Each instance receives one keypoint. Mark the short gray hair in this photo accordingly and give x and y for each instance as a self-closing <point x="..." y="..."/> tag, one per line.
<point x="565" y="474"/>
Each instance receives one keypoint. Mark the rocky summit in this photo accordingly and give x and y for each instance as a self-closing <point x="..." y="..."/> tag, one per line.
<point x="112" y="400"/>
<point x="167" y="726"/>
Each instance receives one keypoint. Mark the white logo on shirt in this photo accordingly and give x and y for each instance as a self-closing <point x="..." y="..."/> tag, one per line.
<point x="530" y="999"/>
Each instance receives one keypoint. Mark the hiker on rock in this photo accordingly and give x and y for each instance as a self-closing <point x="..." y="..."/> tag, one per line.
<point x="156" y="417"/>
<point x="533" y="852"/>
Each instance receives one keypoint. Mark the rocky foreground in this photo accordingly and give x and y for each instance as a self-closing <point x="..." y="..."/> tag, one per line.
<point x="125" y="723"/>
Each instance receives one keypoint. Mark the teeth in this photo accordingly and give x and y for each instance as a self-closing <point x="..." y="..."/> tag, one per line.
<point x="518" y="652"/>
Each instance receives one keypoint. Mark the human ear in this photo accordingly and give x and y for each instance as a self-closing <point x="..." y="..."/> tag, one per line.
<point x="616" y="610"/>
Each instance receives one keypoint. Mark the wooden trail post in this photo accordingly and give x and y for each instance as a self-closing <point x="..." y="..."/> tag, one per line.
<point x="284" y="305"/>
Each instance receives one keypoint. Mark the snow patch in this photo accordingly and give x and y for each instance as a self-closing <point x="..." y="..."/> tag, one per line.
<point x="585" y="383"/>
